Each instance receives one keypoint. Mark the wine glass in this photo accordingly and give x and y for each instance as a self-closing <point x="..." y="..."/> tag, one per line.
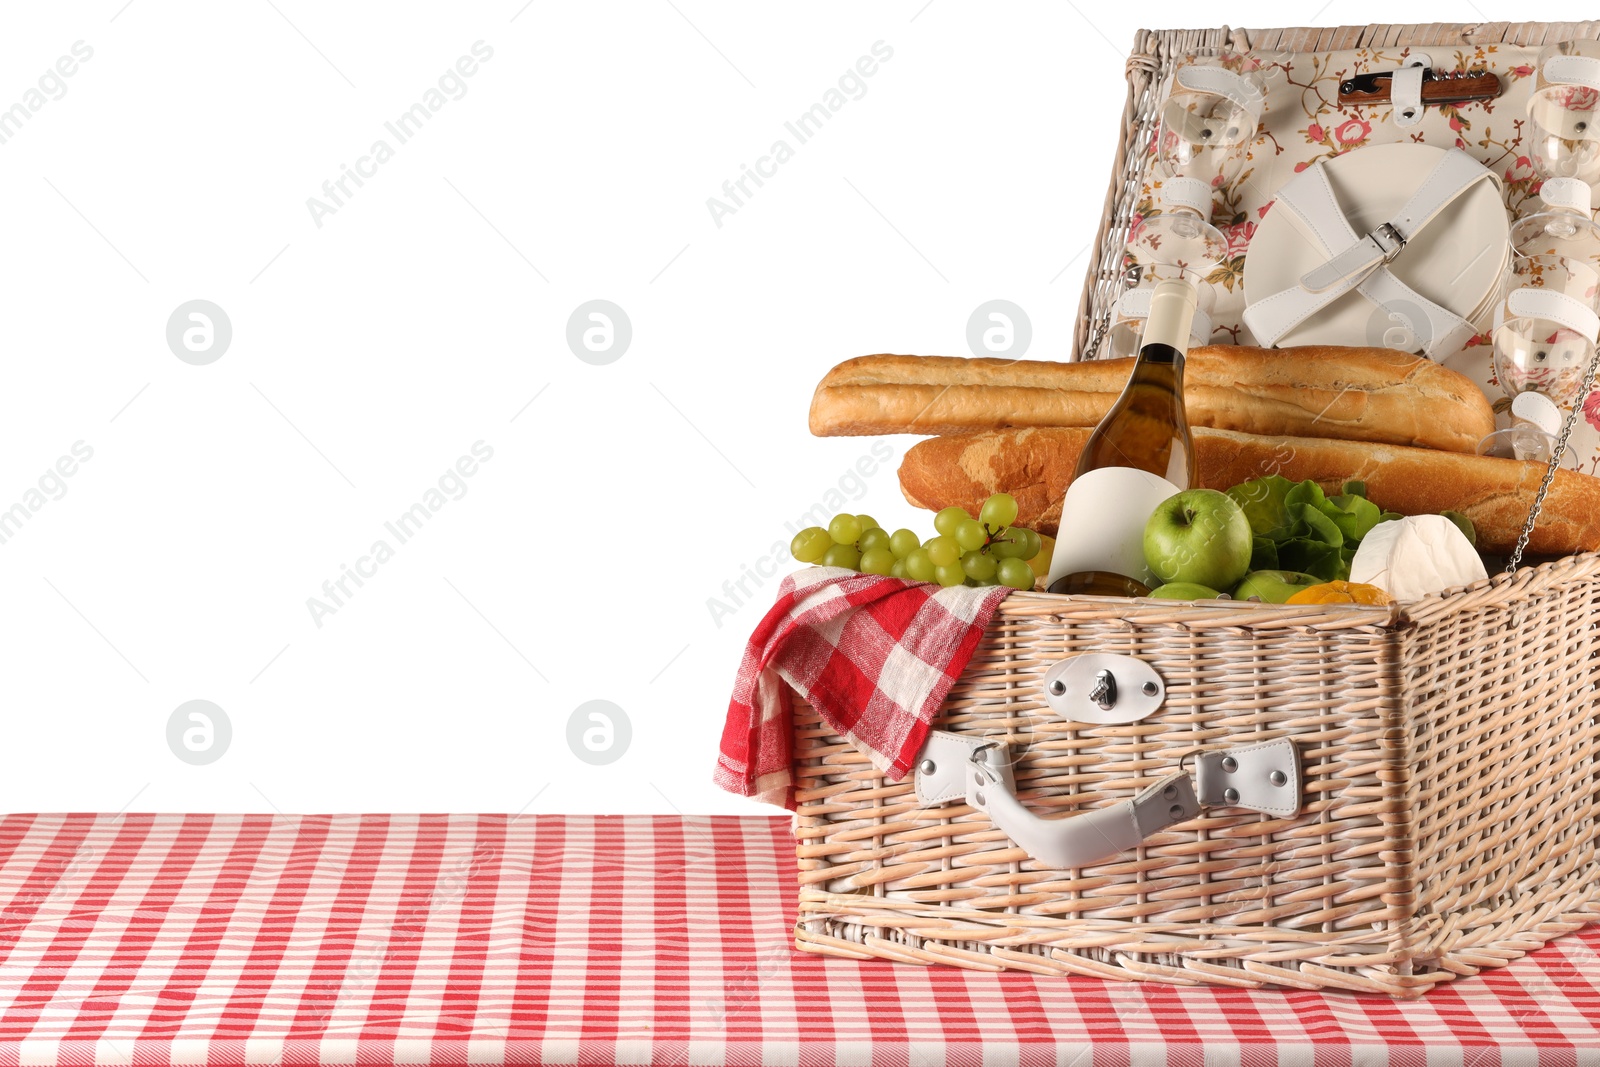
<point x="1563" y="134"/>
<point x="1211" y="114"/>
<point x="1532" y="435"/>
<point x="1546" y="327"/>
<point x="1177" y="241"/>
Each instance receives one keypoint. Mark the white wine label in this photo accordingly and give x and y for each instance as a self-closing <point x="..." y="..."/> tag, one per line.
<point x="1102" y="523"/>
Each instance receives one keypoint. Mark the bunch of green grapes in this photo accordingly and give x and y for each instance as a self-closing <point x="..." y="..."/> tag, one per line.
<point x="988" y="550"/>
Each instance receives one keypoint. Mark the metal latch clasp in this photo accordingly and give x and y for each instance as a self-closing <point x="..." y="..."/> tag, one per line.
<point x="1103" y="688"/>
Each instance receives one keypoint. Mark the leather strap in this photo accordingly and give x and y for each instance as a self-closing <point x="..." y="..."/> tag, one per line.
<point x="1569" y="194"/>
<point x="1360" y="261"/>
<point x="1219" y="81"/>
<point x="1437" y="330"/>
<point x="1537" y="410"/>
<point x="1405" y="92"/>
<point x="1572" y="70"/>
<point x="1191" y="193"/>
<point x="1554" y="307"/>
<point x="1135" y="304"/>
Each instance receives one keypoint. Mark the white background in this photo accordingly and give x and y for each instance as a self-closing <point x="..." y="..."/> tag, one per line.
<point x="371" y="352"/>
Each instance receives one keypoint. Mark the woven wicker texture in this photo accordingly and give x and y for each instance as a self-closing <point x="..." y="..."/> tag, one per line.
<point x="1451" y="800"/>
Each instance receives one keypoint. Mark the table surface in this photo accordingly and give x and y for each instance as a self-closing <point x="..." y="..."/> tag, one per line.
<point x="607" y="939"/>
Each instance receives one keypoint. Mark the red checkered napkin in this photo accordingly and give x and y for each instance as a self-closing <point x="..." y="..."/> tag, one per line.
<point x="875" y="656"/>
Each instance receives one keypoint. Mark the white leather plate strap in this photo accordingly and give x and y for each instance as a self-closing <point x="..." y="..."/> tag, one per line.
<point x="1438" y="331"/>
<point x="1554" y="307"/>
<point x="1361" y="261"/>
<point x="1264" y="777"/>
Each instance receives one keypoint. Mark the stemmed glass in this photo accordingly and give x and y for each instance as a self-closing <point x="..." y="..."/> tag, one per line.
<point x="1210" y="117"/>
<point x="1547" y="326"/>
<point x="1563" y="131"/>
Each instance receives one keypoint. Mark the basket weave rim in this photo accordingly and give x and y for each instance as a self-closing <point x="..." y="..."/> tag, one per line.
<point x="1499" y="589"/>
<point x="1376" y="34"/>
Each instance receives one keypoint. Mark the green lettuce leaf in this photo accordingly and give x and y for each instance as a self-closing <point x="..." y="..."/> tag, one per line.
<point x="1264" y="504"/>
<point x="1263" y="554"/>
<point x="1310" y="556"/>
<point x="1355" y="516"/>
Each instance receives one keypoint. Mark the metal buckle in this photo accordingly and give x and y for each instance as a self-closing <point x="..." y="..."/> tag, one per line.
<point x="1389" y="240"/>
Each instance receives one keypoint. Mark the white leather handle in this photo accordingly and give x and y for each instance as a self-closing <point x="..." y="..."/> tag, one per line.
<point x="1264" y="777"/>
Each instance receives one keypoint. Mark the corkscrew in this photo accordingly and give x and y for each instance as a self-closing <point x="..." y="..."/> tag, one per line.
<point x="1438" y="87"/>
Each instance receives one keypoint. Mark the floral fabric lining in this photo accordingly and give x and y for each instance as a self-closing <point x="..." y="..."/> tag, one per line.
<point x="1304" y="124"/>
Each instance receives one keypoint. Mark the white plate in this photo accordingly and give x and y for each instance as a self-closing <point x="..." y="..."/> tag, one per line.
<point x="1456" y="261"/>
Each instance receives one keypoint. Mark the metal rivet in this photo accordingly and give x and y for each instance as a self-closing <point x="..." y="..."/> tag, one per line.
<point x="979" y="798"/>
<point x="1057" y="687"/>
<point x="1230" y="795"/>
<point x="1230" y="764"/>
<point x="1408" y="113"/>
<point x="1176" y="811"/>
<point x="1277" y="778"/>
<point x="927" y="766"/>
<point x="1151" y="689"/>
<point x="1170" y="792"/>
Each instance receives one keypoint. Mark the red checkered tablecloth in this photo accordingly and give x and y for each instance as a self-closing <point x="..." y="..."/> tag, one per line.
<point x="450" y="939"/>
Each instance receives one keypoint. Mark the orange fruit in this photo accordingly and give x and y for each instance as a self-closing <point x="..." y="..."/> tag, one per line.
<point x="1341" y="592"/>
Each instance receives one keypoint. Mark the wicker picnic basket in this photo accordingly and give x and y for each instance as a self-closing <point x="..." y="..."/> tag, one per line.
<point x="1448" y="760"/>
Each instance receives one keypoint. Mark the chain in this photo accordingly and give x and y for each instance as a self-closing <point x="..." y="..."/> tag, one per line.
<point x="1555" y="461"/>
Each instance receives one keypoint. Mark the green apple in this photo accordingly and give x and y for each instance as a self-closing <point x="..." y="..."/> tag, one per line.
<point x="1200" y="536"/>
<point x="1184" y="591"/>
<point x="1274" y="587"/>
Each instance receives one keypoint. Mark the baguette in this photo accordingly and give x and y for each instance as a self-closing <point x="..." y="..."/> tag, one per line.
<point x="1036" y="466"/>
<point x="1362" y="394"/>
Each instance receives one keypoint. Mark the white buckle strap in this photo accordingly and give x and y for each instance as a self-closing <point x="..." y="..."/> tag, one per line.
<point x="1356" y="261"/>
<point x="1361" y="261"/>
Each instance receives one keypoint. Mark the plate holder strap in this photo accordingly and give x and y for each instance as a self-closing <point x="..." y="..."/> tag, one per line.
<point x="1364" y="259"/>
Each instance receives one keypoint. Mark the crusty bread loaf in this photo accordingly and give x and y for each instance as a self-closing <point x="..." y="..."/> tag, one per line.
<point x="1036" y="466"/>
<point x="1362" y="394"/>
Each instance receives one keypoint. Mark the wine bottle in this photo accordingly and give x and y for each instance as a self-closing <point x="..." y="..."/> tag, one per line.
<point x="1140" y="454"/>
